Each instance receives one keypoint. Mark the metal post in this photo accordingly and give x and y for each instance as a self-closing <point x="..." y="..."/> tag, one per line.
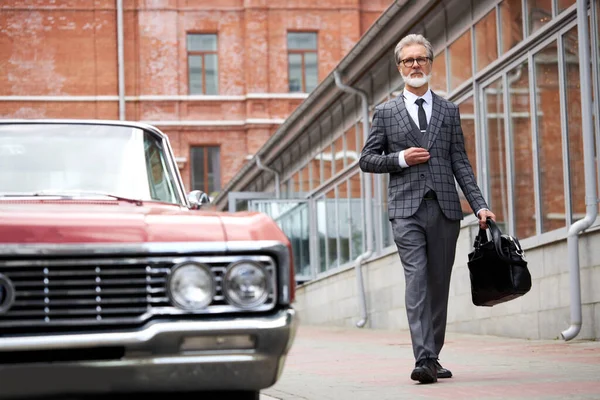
<point x="120" y="60"/>
<point x="591" y="199"/>
<point x="260" y="165"/>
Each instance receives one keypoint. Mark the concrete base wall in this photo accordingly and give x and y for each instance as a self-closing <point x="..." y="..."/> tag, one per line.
<point x="541" y="314"/>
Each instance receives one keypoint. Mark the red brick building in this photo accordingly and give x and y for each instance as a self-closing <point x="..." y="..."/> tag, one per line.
<point x="218" y="76"/>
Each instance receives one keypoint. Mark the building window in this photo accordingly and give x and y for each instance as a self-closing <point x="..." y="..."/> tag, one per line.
<point x="302" y="61"/>
<point x="203" y="66"/>
<point x="206" y="169"/>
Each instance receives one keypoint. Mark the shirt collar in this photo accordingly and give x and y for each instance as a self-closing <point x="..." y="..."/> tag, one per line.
<point x="410" y="97"/>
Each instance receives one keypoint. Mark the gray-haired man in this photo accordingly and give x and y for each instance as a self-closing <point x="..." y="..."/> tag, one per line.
<point x="417" y="138"/>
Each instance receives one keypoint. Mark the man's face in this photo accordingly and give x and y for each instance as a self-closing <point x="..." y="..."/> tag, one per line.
<point x="415" y="75"/>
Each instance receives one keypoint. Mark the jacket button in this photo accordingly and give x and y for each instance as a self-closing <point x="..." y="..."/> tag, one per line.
<point x="422" y="176"/>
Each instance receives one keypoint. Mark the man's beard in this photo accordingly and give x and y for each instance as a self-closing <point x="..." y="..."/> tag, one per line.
<point x="416" y="82"/>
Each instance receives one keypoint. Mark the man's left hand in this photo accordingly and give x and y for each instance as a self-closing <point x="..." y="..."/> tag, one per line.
<point x="483" y="215"/>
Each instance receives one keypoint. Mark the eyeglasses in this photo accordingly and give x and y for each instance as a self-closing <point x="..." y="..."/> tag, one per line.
<point x="409" y="62"/>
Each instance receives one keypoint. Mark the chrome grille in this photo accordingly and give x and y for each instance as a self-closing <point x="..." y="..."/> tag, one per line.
<point x="71" y="294"/>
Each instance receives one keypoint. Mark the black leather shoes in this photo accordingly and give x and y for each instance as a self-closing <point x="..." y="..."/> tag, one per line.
<point x="425" y="371"/>
<point x="442" y="372"/>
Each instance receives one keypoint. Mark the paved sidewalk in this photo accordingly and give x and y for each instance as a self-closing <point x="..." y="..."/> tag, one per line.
<point x="357" y="364"/>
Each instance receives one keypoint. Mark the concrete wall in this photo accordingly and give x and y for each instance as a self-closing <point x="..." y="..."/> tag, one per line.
<point x="541" y="314"/>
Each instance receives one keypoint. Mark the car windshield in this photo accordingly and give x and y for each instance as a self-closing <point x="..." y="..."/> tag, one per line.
<point x="84" y="160"/>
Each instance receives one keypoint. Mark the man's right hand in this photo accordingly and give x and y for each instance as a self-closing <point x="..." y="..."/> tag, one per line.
<point x="416" y="155"/>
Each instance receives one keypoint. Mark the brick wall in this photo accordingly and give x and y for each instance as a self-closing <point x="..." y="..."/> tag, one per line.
<point x="69" y="48"/>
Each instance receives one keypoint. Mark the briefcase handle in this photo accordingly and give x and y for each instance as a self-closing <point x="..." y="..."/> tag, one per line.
<point x="496" y="237"/>
<point x="496" y="233"/>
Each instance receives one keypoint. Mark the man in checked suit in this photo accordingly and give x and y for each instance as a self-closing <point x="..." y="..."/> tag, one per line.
<point x="417" y="139"/>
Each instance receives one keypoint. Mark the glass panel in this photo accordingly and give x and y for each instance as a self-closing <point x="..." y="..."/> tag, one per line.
<point x="496" y="144"/>
<point x="302" y="41"/>
<point x="343" y="217"/>
<point x="355" y="219"/>
<point x="297" y="183"/>
<point x="574" y="131"/>
<point x="511" y="15"/>
<point x="326" y="164"/>
<point x="359" y="133"/>
<point x="331" y="218"/>
<point x="295" y="72"/>
<point x="214" y="170"/>
<point x="549" y="139"/>
<point x="352" y="147"/>
<point x="322" y="232"/>
<point x="315" y="172"/>
<point x="339" y="154"/>
<point x="486" y="41"/>
<point x="467" y="118"/>
<point x="291" y="183"/>
<point x="332" y="162"/>
<point x="438" y="74"/>
<point x="198" y="168"/>
<point x="304" y="180"/>
<point x="292" y="218"/>
<point x="304" y="265"/>
<point x="201" y="42"/>
<point x="212" y="76"/>
<point x="290" y="188"/>
<point x="195" y="74"/>
<point x="522" y="151"/>
<point x="564" y="4"/>
<point x="312" y="72"/>
<point x="539" y="12"/>
<point x="295" y="230"/>
<point x="461" y="68"/>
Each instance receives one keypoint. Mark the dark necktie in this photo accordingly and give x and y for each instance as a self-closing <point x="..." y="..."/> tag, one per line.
<point x="422" y="116"/>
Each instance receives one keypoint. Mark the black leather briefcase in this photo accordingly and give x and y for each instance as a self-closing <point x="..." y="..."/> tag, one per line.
<point x="498" y="268"/>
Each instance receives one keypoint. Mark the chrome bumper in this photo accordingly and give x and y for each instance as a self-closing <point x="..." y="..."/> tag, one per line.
<point x="154" y="360"/>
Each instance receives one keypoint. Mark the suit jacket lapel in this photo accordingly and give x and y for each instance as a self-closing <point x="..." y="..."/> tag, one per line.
<point x="404" y="120"/>
<point x="437" y="117"/>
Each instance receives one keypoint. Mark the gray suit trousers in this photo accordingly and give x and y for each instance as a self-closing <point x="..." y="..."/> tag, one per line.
<point x="426" y="244"/>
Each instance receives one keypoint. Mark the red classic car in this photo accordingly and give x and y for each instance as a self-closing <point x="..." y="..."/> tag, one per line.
<point x="112" y="280"/>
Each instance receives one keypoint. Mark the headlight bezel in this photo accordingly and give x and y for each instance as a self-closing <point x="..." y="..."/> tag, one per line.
<point x="225" y="282"/>
<point x="213" y="290"/>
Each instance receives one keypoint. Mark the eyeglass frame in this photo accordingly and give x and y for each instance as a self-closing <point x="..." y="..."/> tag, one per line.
<point x="416" y="59"/>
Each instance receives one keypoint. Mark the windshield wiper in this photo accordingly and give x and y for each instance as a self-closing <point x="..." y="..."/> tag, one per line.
<point x="73" y="194"/>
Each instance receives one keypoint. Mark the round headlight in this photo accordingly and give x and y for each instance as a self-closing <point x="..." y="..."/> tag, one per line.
<point x="246" y="284"/>
<point x="191" y="286"/>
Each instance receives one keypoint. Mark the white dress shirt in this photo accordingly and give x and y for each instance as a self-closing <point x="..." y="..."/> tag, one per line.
<point x="413" y="110"/>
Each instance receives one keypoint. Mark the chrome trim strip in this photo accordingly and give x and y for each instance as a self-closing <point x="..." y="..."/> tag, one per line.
<point x="133" y="261"/>
<point x="177" y="248"/>
<point x="282" y="319"/>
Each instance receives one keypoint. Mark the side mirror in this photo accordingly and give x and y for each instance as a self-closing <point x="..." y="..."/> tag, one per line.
<point x="197" y="199"/>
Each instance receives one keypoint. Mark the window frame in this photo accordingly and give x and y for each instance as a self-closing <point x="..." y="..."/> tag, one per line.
<point x="206" y="148"/>
<point x="202" y="53"/>
<point x="302" y="53"/>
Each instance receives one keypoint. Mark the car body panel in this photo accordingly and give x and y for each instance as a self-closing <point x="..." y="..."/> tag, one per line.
<point x="47" y="237"/>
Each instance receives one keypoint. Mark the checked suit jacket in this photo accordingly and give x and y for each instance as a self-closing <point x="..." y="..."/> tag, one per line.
<point x="393" y="130"/>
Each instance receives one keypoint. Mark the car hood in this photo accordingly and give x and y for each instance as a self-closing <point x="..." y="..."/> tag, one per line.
<point x="92" y="221"/>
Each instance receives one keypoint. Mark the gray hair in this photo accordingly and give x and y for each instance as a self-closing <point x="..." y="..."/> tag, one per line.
<point x="410" y="40"/>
